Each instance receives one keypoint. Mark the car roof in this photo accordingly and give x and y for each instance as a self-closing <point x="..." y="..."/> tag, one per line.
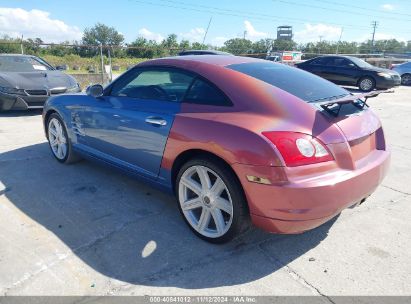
<point x="336" y="56"/>
<point x="218" y="60"/>
<point x="16" y="55"/>
<point x="203" y="52"/>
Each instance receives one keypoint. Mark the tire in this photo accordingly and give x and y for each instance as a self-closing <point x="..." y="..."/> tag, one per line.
<point x="62" y="150"/>
<point x="214" y="216"/>
<point x="366" y="84"/>
<point x="406" y="79"/>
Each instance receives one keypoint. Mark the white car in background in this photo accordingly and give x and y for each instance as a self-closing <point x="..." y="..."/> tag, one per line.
<point x="404" y="70"/>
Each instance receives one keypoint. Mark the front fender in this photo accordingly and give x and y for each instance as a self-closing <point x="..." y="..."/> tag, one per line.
<point x="63" y="106"/>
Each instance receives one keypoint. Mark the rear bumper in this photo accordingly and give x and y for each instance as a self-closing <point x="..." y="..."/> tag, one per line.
<point x="302" y="204"/>
<point x="16" y="102"/>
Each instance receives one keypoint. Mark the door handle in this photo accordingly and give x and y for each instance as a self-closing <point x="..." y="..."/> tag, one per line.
<point x="158" y="121"/>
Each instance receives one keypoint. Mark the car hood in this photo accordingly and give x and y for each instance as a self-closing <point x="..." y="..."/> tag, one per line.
<point x="380" y="70"/>
<point x="36" y="80"/>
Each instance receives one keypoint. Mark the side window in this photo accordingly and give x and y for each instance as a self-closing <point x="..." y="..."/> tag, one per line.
<point x="156" y="84"/>
<point x="332" y="62"/>
<point x="342" y="62"/>
<point x="320" y="61"/>
<point x="202" y="92"/>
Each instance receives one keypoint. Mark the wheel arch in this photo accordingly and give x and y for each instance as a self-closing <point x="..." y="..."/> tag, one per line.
<point x="46" y="119"/>
<point x="187" y="155"/>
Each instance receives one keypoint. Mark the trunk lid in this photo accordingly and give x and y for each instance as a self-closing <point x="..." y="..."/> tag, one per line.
<point x="360" y="126"/>
<point x="361" y="133"/>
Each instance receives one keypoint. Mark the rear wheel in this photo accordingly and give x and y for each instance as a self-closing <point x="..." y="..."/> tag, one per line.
<point x="366" y="84"/>
<point x="59" y="141"/>
<point x="211" y="200"/>
<point x="406" y="79"/>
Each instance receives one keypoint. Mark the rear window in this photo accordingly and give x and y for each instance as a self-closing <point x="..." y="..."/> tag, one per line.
<point x="299" y="83"/>
<point x="204" y="93"/>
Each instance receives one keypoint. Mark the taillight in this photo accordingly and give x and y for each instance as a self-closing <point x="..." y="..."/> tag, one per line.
<point x="299" y="149"/>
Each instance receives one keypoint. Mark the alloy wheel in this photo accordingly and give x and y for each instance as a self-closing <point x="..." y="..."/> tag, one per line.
<point x="406" y="79"/>
<point x="366" y="84"/>
<point x="57" y="139"/>
<point x="205" y="201"/>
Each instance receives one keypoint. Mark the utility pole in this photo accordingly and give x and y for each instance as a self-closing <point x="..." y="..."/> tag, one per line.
<point x="109" y="62"/>
<point x="206" y="32"/>
<point x="374" y="24"/>
<point x="319" y="45"/>
<point x="339" y="40"/>
<point x="102" y="64"/>
<point x="21" y="45"/>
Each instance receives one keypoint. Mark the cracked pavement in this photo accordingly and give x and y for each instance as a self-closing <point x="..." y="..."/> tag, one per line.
<point x="85" y="229"/>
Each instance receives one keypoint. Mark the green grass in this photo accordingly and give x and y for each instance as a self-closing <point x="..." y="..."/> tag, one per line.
<point x="83" y="63"/>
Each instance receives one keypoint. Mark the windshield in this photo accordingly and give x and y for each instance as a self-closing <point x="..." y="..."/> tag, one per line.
<point x="361" y="63"/>
<point x="23" y="64"/>
<point x="302" y="84"/>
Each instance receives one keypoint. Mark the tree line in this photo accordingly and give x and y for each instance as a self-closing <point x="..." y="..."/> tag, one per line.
<point x="114" y="42"/>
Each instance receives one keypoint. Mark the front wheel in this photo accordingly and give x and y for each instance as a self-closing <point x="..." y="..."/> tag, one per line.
<point x="59" y="141"/>
<point x="366" y="84"/>
<point x="211" y="200"/>
<point x="406" y="79"/>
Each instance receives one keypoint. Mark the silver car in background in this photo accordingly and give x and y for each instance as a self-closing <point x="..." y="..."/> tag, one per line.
<point x="404" y="70"/>
<point x="26" y="82"/>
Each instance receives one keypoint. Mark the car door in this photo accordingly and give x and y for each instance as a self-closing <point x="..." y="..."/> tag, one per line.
<point x="331" y="72"/>
<point x="342" y="71"/>
<point x="318" y="66"/>
<point x="129" y="125"/>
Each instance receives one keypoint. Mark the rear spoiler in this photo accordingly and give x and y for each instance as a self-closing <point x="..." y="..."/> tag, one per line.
<point x="326" y="105"/>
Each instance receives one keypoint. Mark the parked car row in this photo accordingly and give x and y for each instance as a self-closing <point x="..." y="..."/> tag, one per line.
<point x="342" y="70"/>
<point x="289" y="160"/>
<point x="351" y="71"/>
<point x="27" y="81"/>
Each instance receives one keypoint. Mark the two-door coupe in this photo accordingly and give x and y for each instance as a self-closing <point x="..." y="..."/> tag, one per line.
<point x="234" y="138"/>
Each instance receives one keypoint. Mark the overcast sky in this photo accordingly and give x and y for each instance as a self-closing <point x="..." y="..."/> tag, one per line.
<point x="59" y="20"/>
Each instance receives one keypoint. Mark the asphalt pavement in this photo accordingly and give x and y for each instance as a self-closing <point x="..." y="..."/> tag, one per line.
<point x="85" y="229"/>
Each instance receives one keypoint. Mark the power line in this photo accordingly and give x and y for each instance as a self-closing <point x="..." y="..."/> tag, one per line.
<point x="364" y="8"/>
<point x="336" y="10"/>
<point x="236" y="13"/>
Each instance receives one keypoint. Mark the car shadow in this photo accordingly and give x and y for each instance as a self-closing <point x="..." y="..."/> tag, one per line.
<point x="130" y="232"/>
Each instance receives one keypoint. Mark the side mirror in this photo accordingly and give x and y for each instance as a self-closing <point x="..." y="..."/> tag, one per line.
<point x="62" y="67"/>
<point x="95" y="90"/>
<point x="351" y="65"/>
